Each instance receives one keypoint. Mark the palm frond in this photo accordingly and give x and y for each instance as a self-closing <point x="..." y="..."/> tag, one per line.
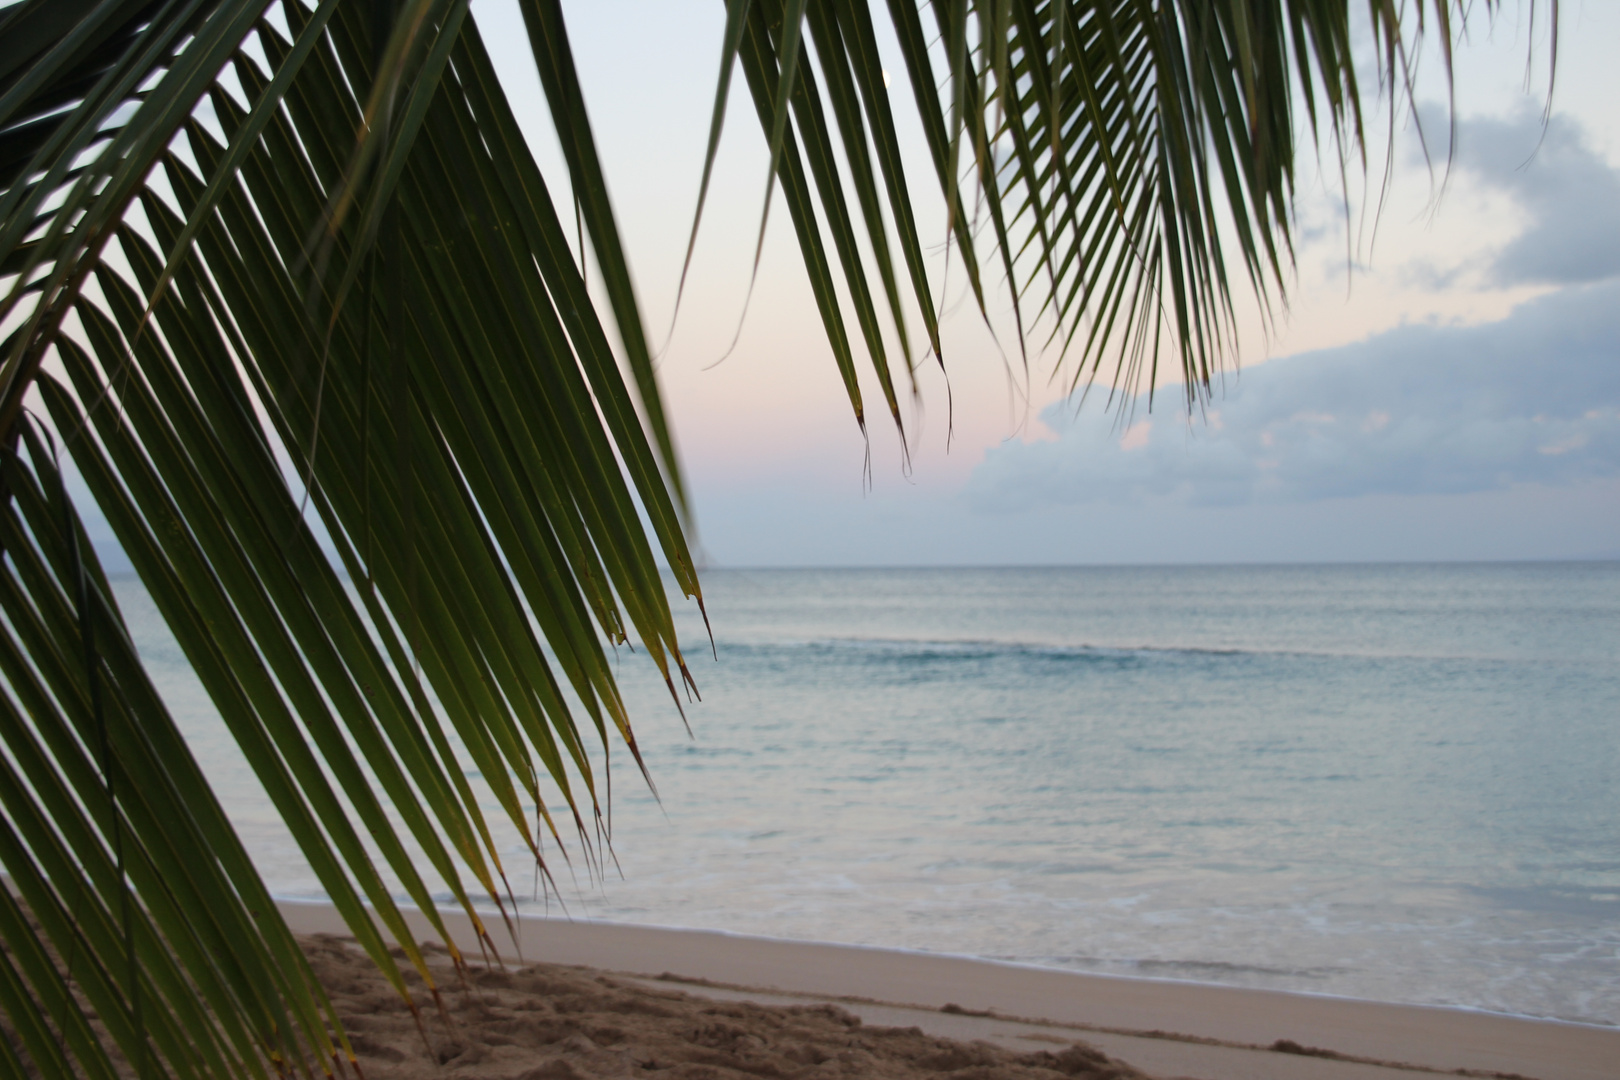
<point x="286" y="276"/>
<point x="1108" y="152"/>
<point x="183" y="959"/>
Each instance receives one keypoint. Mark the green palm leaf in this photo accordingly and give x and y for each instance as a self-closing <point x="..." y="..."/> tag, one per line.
<point x="270" y="289"/>
<point x="1103" y="141"/>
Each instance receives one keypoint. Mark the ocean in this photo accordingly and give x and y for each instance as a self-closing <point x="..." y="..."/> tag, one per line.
<point x="1386" y="782"/>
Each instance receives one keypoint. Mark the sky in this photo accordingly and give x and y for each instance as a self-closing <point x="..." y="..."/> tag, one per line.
<point x="1445" y="384"/>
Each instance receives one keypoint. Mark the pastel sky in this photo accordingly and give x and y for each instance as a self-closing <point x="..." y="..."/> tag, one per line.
<point x="1445" y="384"/>
<point x="1455" y="394"/>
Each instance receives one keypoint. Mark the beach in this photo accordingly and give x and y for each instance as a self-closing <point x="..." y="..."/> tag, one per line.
<point x="1163" y="1028"/>
<point x="1269" y="822"/>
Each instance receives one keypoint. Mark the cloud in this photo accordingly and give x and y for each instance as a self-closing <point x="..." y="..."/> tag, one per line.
<point x="1568" y="193"/>
<point x="1422" y="409"/>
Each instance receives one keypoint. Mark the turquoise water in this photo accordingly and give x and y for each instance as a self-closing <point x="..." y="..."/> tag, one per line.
<point x="1391" y="782"/>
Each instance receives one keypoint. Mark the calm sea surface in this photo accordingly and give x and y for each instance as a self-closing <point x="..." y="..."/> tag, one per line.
<point x="1391" y="782"/>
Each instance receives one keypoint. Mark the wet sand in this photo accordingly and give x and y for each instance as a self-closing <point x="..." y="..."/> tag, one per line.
<point x="1013" y="1015"/>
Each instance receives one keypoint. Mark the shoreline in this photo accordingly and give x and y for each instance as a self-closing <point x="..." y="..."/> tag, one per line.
<point x="493" y="920"/>
<point x="1188" y="1028"/>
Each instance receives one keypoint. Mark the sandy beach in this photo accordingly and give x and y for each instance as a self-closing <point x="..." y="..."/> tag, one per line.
<point x="1023" y="1020"/>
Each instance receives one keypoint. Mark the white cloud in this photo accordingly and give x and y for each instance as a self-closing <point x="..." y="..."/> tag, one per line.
<point x="1136" y="436"/>
<point x="1569" y="194"/>
<point x="1531" y="399"/>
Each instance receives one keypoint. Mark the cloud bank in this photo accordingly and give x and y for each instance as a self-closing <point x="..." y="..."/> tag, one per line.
<point x="1419" y="410"/>
<point x="1567" y="192"/>
<point x="1435" y="410"/>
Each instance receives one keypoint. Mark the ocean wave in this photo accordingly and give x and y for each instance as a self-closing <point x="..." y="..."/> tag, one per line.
<point x="1215" y="971"/>
<point x="985" y="648"/>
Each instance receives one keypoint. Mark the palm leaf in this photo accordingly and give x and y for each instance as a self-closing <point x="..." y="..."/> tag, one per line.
<point x="263" y="328"/>
<point x="1103" y="141"/>
<point x="105" y="812"/>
